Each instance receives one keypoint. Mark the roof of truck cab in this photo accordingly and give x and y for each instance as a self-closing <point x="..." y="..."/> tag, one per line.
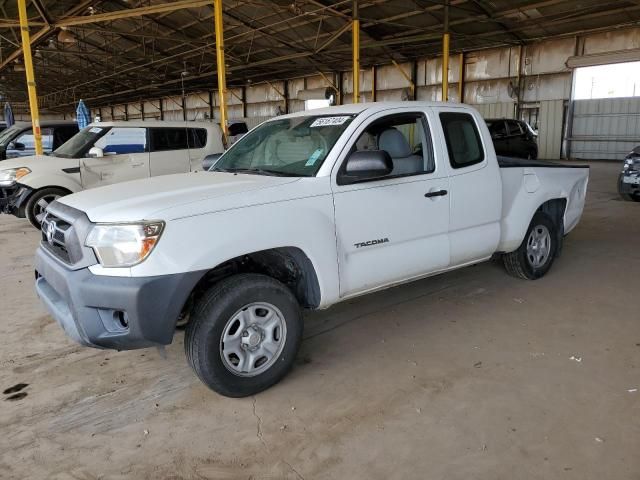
<point x="356" y="108"/>
<point x="153" y="123"/>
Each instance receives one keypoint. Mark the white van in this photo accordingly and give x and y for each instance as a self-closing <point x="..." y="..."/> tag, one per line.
<point x="101" y="154"/>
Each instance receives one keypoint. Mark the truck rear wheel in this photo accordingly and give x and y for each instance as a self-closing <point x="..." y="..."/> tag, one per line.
<point x="536" y="254"/>
<point x="244" y="334"/>
<point x="39" y="201"/>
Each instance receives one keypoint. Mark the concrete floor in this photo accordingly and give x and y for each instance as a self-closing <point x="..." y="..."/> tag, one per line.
<point x="465" y="375"/>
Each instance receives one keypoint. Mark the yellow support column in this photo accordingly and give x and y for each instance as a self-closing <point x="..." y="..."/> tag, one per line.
<point x="461" y="79"/>
<point x="445" y="55"/>
<point x="31" y="80"/>
<point x="356" y="53"/>
<point x="222" y="82"/>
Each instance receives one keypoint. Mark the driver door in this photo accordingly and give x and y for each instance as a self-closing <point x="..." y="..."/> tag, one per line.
<point x="395" y="228"/>
<point x="125" y="157"/>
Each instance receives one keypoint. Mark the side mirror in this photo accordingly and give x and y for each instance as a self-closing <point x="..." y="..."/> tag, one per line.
<point x="96" y="152"/>
<point x="366" y="165"/>
<point x="210" y="160"/>
<point x="18" y="146"/>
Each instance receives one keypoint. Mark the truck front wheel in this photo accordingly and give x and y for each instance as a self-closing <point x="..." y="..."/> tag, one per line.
<point x="244" y="334"/>
<point x="39" y="201"/>
<point x="535" y="255"/>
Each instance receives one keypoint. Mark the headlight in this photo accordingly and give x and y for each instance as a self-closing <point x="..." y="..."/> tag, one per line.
<point x="9" y="177"/>
<point x="124" y="245"/>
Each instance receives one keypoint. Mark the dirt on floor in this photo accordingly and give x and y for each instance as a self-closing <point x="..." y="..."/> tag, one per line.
<point x="471" y="374"/>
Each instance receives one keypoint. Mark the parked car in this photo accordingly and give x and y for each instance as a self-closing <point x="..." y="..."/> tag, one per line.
<point x="513" y="138"/>
<point x="305" y="211"/>
<point x="629" y="178"/>
<point x="102" y="154"/>
<point x="18" y="140"/>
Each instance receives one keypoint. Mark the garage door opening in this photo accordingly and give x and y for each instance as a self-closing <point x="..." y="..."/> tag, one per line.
<point x="608" y="81"/>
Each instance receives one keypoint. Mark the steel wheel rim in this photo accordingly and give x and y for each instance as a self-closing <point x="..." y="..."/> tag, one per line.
<point x="538" y="246"/>
<point x="253" y="339"/>
<point x="42" y="204"/>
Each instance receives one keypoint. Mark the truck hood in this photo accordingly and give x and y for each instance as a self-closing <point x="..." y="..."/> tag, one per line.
<point x="161" y="197"/>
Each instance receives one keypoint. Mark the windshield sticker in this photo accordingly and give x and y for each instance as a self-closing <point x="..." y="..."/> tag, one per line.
<point x="328" y="121"/>
<point x="95" y="130"/>
<point x="314" y="157"/>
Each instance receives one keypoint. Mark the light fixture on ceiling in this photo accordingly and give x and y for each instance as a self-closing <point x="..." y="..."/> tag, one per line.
<point x="65" y="36"/>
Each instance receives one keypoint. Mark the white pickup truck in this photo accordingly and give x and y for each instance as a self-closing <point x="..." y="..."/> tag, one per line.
<point x="305" y="211"/>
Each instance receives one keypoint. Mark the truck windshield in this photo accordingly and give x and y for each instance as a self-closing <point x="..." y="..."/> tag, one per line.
<point x="294" y="147"/>
<point x="78" y="145"/>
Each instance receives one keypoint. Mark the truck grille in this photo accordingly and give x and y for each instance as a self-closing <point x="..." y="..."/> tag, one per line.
<point x="54" y="231"/>
<point x="64" y="230"/>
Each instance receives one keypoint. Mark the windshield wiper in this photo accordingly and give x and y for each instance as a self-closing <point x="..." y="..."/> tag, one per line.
<point x="259" y="171"/>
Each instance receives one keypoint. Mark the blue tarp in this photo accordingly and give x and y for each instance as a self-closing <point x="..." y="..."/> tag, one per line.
<point x="83" y="116"/>
<point x="8" y="115"/>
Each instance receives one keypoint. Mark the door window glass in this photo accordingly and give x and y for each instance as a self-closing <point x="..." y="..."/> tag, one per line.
<point x="123" y="140"/>
<point x="28" y="140"/>
<point x="197" y="137"/>
<point x="163" y="139"/>
<point x="406" y="138"/>
<point x="514" y="128"/>
<point x="463" y="139"/>
<point x="497" y="128"/>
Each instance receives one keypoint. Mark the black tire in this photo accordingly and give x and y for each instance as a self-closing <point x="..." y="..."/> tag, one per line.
<point x="209" y="318"/>
<point x="518" y="263"/>
<point x="34" y="206"/>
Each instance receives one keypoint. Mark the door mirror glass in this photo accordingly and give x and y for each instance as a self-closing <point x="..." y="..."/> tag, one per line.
<point x="18" y="146"/>
<point x="96" y="152"/>
<point x="210" y="160"/>
<point x="366" y="165"/>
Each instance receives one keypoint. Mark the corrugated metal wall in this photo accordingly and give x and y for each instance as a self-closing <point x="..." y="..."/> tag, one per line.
<point x="607" y="128"/>
<point x="496" y="110"/>
<point x="550" y="129"/>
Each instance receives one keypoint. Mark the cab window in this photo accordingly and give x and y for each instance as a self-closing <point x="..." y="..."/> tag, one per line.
<point x="123" y="140"/>
<point x="462" y="138"/>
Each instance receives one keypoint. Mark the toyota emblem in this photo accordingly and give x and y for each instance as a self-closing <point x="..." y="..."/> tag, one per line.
<point x="51" y="230"/>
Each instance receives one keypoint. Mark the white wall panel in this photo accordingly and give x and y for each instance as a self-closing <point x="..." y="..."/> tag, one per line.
<point x="550" y="129"/>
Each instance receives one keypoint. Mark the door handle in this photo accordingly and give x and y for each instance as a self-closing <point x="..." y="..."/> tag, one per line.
<point x="137" y="164"/>
<point x="437" y="193"/>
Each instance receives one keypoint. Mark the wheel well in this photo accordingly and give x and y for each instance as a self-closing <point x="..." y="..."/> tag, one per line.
<point x="555" y="210"/>
<point x="288" y="265"/>
<point x="36" y="190"/>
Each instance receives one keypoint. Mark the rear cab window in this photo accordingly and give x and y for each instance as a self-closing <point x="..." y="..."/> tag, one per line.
<point x="462" y="138"/>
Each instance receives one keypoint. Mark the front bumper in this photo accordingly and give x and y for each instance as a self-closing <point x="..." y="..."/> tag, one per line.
<point x="12" y="199"/>
<point x="120" y="313"/>
<point x="629" y="188"/>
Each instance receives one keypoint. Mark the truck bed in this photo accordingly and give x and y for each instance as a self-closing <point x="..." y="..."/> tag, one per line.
<point x="527" y="184"/>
